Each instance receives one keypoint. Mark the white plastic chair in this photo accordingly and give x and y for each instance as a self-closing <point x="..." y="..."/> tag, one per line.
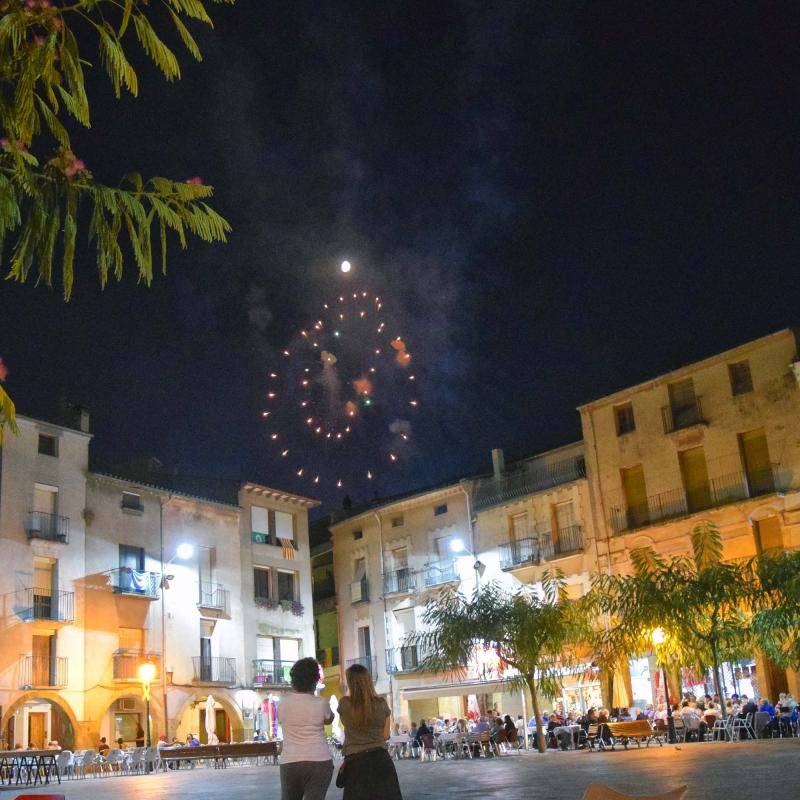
<point x="87" y="760"/>
<point x="152" y="760"/>
<point x="64" y="763"/>
<point x="114" y="759"/>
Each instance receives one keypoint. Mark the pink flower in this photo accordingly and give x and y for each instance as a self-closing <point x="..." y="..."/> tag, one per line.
<point x="4" y="142"/>
<point x="3" y="371"/>
<point x="39" y="41"/>
<point x="79" y="165"/>
<point x="197" y="179"/>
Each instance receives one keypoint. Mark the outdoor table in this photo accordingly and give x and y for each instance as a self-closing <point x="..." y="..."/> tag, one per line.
<point x="219" y="753"/>
<point x="28" y="767"/>
<point x="571" y="729"/>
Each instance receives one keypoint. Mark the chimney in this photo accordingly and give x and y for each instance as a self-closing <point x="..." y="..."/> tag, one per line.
<point x="498" y="462"/>
<point x="82" y="415"/>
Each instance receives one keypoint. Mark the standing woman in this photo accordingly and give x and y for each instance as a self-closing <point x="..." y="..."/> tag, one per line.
<point x="368" y="772"/>
<point x="306" y="763"/>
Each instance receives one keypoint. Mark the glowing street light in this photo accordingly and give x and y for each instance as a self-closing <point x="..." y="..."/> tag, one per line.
<point x="147" y="673"/>
<point x="345" y="266"/>
<point x="658" y="637"/>
<point x="457" y="546"/>
<point x="184" y="551"/>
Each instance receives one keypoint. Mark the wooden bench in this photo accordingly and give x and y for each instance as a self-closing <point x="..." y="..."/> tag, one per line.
<point x="636" y="730"/>
<point x="219" y="753"/>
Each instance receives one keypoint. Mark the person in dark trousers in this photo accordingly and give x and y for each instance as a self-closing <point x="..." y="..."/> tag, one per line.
<point x="306" y="762"/>
<point x="139" y="736"/>
<point x="368" y="771"/>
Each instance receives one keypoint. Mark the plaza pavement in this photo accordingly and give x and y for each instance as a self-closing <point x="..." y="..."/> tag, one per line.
<point x="724" y="771"/>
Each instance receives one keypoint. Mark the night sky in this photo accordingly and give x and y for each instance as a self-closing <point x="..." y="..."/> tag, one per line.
<point x="557" y="199"/>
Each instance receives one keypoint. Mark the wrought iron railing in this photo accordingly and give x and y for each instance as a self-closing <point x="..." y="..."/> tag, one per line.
<point x="214" y="596"/>
<point x="729" y="488"/>
<point x="52" y="527"/>
<point x="44" y="604"/>
<point x="126" y="663"/>
<point x="42" y="671"/>
<point x="438" y="572"/>
<point x="404" y="658"/>
<point x="522" y="551"/>
<point x="676" y="418"/>
<point x="125" y="580"/>
<point x="527" y="479"/>
<point x="398" y="581"/>
<point x="267" y="672"/>
<point x="370" y="662"/>
<point x="567" y="540"/>
<point x="214" y="669"/>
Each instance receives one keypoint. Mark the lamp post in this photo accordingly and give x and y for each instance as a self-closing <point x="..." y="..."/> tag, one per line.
<point x="147" y="671"/>
<point x="457" y="546"/>
<point x="184" y="551"/>
<point x="659" y="636"/>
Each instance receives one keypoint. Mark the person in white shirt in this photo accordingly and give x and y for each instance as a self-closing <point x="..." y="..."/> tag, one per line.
<point x="306" y="763"/>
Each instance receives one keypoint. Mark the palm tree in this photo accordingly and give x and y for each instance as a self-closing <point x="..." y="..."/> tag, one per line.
<point x="703" y="605"/>
<point x="534" y="633"/>
<point x="776" y="625"/>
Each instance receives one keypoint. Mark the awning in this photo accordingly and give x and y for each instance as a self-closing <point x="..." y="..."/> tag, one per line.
<point x="456" y="689"/>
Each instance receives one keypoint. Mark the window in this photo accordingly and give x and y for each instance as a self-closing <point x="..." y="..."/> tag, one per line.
<point x="635" y="491"/>
<point x="261" y="583"/>
<point x="769" y="534"/>
<point x="695" y="478"/>
<point x="364" y="643"/>
<point x="132" y="501"/>
<point x="439" y="510"/>
<point x="268" y="526"/>
<point x="624" y="418"/>
<point x="397" y="522"/>
<point x="131" y="557"/>
<point x="48" y="445"/>
<point x="400" y="558"/>
<point x="358" y="534"/>
<point x="519" y="526"/>
<point x="741" y="379"/>
<point x="286" y="585"/>
<point x="757" y="464"/>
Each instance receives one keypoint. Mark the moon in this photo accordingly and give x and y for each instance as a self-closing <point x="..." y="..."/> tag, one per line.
<point x="345" y="266"/>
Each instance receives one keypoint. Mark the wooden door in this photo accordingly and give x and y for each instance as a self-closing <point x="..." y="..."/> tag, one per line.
<point x="41" y="658"/>
<point x="37" y="723"/>
<point x="757" y="465"/>
<point x="695" y="478"/>
<point x="635" y="491"/>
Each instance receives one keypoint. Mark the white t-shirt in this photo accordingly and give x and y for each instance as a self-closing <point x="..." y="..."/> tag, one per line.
<point x="302" y="717"/>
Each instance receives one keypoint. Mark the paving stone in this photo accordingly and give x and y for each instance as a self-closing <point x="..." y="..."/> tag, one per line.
<point x="726" y="771"/>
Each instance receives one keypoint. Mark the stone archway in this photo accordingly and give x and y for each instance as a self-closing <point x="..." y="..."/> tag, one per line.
<point x="65" y="726"/>
<point x="222" y="697"/>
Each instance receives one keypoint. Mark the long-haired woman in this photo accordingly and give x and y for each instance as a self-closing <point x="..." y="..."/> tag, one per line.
<point x="368" y="772"/>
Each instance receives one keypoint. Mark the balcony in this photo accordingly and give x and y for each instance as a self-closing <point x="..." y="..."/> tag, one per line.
<point x="33" y="605"/>
<point x="438" y="572"/>
<point x="126" y="664"/>
<point x="729" y="488"/>
<point x="328" y="657"/>
<point x="405" y="658"/>
<point x="267" y="672"/>
<point x="213" y="669"/>
<point x="51" y="527"/>
<point x="677" y="418"/>
<point x="214" y="597"/>
<point x="359" y="591"/>
<point x="127" y="581"/>
<point x="42" y="672"/>
<point x="568" y="540"/>
<point x="400" y="581"/>
<point x="519" y="553"/>
<point x="323" y="588"/>
<point x="370" y="662"/>
<point x="528" y="479"/>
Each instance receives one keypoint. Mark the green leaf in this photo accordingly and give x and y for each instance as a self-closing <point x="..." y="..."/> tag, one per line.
<point x="163" y="57"/>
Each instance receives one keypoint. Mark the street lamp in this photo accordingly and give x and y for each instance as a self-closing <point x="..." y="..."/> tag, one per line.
<point x="147" y="672"/>
<point x="659" y="636"/>
<point x="457" y="546"/>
